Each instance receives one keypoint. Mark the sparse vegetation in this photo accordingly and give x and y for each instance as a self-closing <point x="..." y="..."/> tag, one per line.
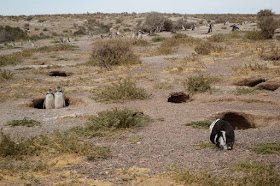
<point x="254" y="35"/>
<point x="158" y="39"/>
<point x="124" y="89"/>
<point x="114" y="52"/>
<point x="242" y="90"/>
<point x="266" y="148"/>
<point x="203" y="48"/>
<point x="24" y="122"/>
<point x="204" y="145"/>
<point x="267" y="23"/>
<point x="6" y="74"/>
<point x="8" y="33"/>
<point x="217" y="38"/>
<point x="200" y="124"/>
<point x="14" y="58"/>
<point x="198" y="83"/>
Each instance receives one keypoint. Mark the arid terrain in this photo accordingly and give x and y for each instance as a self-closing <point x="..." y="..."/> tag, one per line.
<point x="244" y="76"/>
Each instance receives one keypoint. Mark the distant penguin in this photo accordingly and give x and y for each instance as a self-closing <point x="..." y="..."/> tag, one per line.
<point x="49" y="100"/>
<point x="222" y="134"/>
<point x="59" y="101"/>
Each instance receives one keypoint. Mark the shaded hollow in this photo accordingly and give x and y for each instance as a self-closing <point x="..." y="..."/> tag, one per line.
<point x="58" y="73"/>
<point x="178" y="97"/>
<point x="39" y="102"/>
<point x="238" y="120"/>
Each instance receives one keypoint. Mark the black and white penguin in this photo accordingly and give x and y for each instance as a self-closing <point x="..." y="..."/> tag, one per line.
<point x="222" y="134"/>
<point x="49" y="100"/>
<point x="59" y="101"/>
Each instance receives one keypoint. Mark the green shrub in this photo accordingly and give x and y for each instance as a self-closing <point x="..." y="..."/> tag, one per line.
<point x="115" y="119"/>
<point x="266" y="148"/>
<point x="8" y="33"/>
<point x="124" y="89"/>
<point x="200" y="124"/>
<point x="198" y="83"/>
<point x="267" y="22"/>
<point x="115" y="51"/>
<point x="24" y="122"/>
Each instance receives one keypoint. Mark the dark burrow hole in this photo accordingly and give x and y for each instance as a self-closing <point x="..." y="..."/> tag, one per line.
<point x="237" y="121"/>
<point x="254" y="82"/>
<point x="58" y="73"/>
<point x="178" y="97"/>
<point x="38" y="103"/>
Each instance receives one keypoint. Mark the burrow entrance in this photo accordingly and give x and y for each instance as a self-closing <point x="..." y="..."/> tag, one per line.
<point x="239" y="121"/>
<point x="178" y="97"/>
<point x="39" y="102"/>
<point x="59" y="73"/>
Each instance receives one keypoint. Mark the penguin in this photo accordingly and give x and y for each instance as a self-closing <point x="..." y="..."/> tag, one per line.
<point x="49" y="100"/>
<point x="222" y="134"/>
<point x="59" y="101"/>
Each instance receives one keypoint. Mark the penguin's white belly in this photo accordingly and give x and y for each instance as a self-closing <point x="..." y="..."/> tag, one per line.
<point x="59" y="100"/>
<point x="49" y="102"/>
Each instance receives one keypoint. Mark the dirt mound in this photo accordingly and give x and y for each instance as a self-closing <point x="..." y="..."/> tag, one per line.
<point x="269" y="85"/>
<point x="250" y="82"/>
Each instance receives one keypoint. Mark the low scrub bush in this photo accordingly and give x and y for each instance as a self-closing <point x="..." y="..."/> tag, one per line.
<point x="124" y="89"/>
<point x="267" y="22"/>
<point x="254" y="35"/>
<point x="266" y="148"/>
<point x="217" y="38"/>
<point x="115" y="119"/>
<point x="114" y="52"/>
<point x="8" y="33"/>
<point x="242" y="90"/>
<point x="198" y="83"/>
<point x="24" y="122"/>
<point x="6" y="74"/>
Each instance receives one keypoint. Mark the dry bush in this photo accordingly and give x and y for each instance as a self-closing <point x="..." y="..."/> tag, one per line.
<point x="8" y="33"/>
<point x="115" y="51"/>
<point x="153" y="21"/>
<point x="272" y="53"/>
<point x="205" y="48"/>
<point x="254" y="35"/>
<point x="267" y="23"/>
<point x="217" y="38"/>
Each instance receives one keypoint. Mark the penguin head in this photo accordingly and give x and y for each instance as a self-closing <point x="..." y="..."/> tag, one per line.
<point x="58" y="89"/>
<point x="229" y="145"/>
<point x="50" y="91"/>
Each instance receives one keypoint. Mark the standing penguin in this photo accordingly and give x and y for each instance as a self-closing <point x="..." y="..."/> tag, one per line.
<point x="59" y="101"/>
<point x="222" y="134"/>
<point x="49" y="100"/>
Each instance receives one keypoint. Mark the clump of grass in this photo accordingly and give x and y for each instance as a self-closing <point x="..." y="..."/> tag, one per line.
<point x="115" y="119"/>
<point x="217" y="38"/>
<point x="164" y="86"/>
<point x="254" y="35"/>
<point x="200" y="124"/>
<point x="188" y="177"/>
<point x="273" y="53"/>
<point x="55" y="48"/>
<point x="198" y="83"/>
<point x="242" y="90"/>
<point x="25" y="68"/>
<point x="203" y="145"/>
<point x="140" y="42"/>
<point x="257" y="173"/>
<point x="6" y="74"/>
<point x="168" y="46"/>
<point x="114" y="52"/>
<point x="14" y="58"/>
<point x="256" y="67"/>
<point x="124" y="89"/>
<point x="203" y="48"/>
<point x="24" y="122"/>
<point x="158" y="39"/>
<point x="266" y="148"/>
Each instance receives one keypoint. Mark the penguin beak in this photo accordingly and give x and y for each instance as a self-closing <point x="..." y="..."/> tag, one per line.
<point x="229" y="148"/>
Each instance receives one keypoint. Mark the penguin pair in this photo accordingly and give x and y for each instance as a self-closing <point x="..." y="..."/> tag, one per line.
<point x="54" y="100"/>
<point x="222" y="134"/>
